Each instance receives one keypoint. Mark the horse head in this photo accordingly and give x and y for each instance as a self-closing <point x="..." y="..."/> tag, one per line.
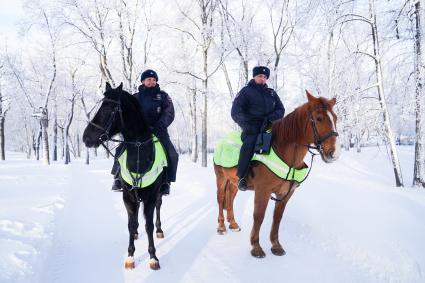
<point x="321" y="127"/>
<point x="108" y="121"/>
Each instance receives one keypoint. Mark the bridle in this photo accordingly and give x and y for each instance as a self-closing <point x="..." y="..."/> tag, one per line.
<point x="105" y="135"/>
<point x="318" y="140"/>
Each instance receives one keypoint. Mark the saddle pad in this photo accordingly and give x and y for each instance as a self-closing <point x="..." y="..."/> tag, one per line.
<point x="146" y="179"/>
<point x="227" y="150"/>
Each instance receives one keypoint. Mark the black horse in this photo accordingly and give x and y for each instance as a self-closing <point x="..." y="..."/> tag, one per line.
<point x="120" y="113"/>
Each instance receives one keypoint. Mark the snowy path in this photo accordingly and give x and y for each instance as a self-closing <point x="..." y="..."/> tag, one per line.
<point x="345" y="224"/>
<point x="88" y="240"/>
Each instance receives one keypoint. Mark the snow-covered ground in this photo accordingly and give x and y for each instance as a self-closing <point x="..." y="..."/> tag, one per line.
<point x="347" y="223"/>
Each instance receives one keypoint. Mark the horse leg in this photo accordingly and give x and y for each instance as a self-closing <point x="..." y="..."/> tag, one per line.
<point x="132" y="206"/>
<point x="261" y="200"/>
<point x="279" y="208"/>
<point x="231" y="192"/>
<point x="221" y="198"/>
<point x="148" y="211"/>
<point x="159" y="232"/>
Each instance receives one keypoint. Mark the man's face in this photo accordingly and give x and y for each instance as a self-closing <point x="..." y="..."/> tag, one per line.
<point x="260" y="79"/>
<point x="149" y="82"/>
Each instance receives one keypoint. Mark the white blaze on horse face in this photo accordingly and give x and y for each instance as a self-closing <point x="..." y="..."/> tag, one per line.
<point x="337" y="143"/>
<point x="332" y="120"/>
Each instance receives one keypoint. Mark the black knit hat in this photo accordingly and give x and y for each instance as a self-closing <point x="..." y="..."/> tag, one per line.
<point x="149" y="74"/>
<point x="261" y="70"/>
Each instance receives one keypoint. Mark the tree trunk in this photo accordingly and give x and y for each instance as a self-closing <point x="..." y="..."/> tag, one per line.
<point x="34" y="145"/>
<point x="63" y="143"/>
<point x="55" y="138"/>
<point x="419" y="163"/>
<point x="28" y="140"/>
<point x="87" y="155"/>
<point x="331" y="64"/>
<point x="387" y="125"/>
<point x="204" y="128"/>
<point x="37" y="146"/>
<point x="45" y="125"/>
<point x="193" y="127"/>
<point x="67" y="156"/>
<point x="204" y="143"/>
<point x="2" y="141"/>
<point x="104" y="69"/>
<point x="78" y="146"/>
<point x="228" y="81"/>
<point x="346" y="139"/>
<point x="2" y="119"/>
<point x="358" y="142"/>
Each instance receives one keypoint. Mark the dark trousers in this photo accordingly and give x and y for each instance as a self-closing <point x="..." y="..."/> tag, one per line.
<point x="246" y="153"/>
<point x="170" y="152"/>
<point x="172" y="156"/>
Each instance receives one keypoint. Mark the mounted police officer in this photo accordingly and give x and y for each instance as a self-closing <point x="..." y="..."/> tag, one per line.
<point x="254" y="109"/>
<point x="158" y="113"/>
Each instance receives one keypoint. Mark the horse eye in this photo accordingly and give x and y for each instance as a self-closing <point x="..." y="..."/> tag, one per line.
<point x="319" y="119"/>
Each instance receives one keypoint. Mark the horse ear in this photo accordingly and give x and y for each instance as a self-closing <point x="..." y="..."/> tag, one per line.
<point x="120" y="86"/>
<point x="310" y="97"/>
<point x="332" y="102"/>
<point x="108" y="87"/>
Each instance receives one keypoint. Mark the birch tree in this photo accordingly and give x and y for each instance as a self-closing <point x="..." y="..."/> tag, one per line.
<point x="4" y="108"/>
<point x="282" y="22"/>
<point x="202" y="33"/>
<point x="419" y="163"/>
<point x="70" y="115"/>
<point x="91" y="19"/>
<point x="239" y="24"/>
<point x="128" y="21"/>
<point x="379" y="84"/>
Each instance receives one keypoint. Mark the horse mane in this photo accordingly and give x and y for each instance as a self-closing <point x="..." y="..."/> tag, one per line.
<point x="291" y="128"/>
<point x="131" y="105"/>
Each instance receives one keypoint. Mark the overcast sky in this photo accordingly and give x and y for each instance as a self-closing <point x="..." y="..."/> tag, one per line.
<point x="10" y="14"/>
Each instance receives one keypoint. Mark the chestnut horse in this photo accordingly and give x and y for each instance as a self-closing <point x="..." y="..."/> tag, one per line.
<point x="314" y="122"/>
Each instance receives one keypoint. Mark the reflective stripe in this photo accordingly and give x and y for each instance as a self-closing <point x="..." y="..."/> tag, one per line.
<point x="227" y="151"/>
<point x="145" y="179"/>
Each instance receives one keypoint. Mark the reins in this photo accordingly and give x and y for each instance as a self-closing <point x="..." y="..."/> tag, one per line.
<point x="105" y="137"/>
<point x="318" y="140"/>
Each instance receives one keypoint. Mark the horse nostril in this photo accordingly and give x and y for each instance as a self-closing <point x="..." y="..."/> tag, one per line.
<point x="331" y="153"/>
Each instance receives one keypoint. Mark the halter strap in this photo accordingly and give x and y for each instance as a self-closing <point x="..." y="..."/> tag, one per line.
<point x="318" y="140"/>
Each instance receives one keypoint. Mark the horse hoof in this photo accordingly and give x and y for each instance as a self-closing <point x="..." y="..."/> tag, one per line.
<point x="160" y="235"/>
<point x="221" y="230"/>
<point x="129" y="263"/>
<point x="258" y="253"/>
<point x="279" y="251"/>
<point x="136" y="236"/>
<point x="154" y="264"/>
<point x="234" y="228"/>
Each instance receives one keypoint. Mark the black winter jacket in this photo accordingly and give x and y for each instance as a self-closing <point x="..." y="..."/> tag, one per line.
<point x="253" y="105"/>
<point x="157" y="108"/>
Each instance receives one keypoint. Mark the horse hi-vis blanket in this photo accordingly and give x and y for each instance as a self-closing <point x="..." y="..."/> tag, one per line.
<point x="143" y="180"/>
<point x="226" y="154"/>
